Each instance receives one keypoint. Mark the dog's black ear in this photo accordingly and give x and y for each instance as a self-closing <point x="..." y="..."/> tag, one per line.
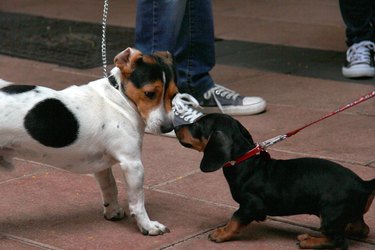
<point x="217" y="152"/>
<point x="245" y="133"/>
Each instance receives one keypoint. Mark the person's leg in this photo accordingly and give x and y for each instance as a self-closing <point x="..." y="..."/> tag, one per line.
<point x="195" y="48"/>
<point x="185" y="28"/>
<point x="195" y="57"/>
<point x="158" y="23"/>
<point x="359" y="18"/>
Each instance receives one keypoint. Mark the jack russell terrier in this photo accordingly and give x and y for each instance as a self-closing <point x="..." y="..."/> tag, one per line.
<point x="87" y="129"/>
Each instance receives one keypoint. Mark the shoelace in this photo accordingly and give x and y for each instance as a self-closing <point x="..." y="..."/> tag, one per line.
<point x="183" y="106"/>
<point x="360" y="52"/>
<point x="223" y="92"/>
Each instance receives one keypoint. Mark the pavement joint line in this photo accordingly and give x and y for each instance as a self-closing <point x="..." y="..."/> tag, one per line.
<point x="37" y="172"/>
<point x="319" y="156"/>
<point x="174" y="180"/>
<point x="192" y="236"/>
<point x="28" y="242"/>
<point x="18" y="178"/>
<point x="321" y="110"/>
<point x="272" y="218"/>
<point x="197" y="199"/>
<point x="370" y="163"/>
<point x="292" y="223"/>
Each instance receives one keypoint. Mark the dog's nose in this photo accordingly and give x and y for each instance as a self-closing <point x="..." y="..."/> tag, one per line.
<point x="166" y="128"/>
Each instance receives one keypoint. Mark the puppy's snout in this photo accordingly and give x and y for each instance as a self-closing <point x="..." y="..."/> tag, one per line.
<point x="166" y="128"/>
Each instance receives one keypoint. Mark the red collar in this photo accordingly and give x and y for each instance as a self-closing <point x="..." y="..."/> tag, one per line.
<point x="247" y="155"/>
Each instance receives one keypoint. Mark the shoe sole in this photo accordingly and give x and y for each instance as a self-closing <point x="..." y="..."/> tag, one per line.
<point x="358" y="71"/>
<point x="171" y="134"/>
<point x="237" y="110"/>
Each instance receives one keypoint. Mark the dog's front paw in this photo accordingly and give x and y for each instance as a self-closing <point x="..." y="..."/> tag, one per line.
<point x="114" y="214"/>
<point x="306" y="241"/>
<point x="220" y="235"/>
<point x="154" y="228"/>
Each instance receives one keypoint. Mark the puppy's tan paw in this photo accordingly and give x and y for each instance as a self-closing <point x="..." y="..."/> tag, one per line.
<point x="220" y="235"/>
<point x="307" y="241"/>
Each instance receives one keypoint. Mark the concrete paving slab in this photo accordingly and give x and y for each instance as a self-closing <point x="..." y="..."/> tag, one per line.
<point x="308" y="24"/>
<point x="164" y="162"/>
<point x="11" y="244"/>
<point x="63" y="210"/>
<point x="266" y="235"/>
<point x="320" y="21"/>
<point x="213" y="188"/>
<point x="345" y="138"/>
<point x="314" y="63"/>
<point x="296" y="91"/>
<point x="21" y="169"/>
<point x="23" y="71"/>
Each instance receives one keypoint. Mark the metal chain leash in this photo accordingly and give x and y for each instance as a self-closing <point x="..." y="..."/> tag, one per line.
<point x="104" y="46"/>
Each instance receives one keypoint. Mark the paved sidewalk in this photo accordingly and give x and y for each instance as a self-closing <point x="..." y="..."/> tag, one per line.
<point x="45" y="208"/>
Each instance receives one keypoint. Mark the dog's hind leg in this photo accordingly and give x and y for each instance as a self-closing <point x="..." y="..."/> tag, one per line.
<point x="108" y="187"/>
<point x="307" y="241"/>
<point x="5" y="160"/>
<point x="334" y="220"/>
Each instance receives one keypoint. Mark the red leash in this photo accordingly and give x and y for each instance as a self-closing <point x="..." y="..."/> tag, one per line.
<point x="262" y="147"/>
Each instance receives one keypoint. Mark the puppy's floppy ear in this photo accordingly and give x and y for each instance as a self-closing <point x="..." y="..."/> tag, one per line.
<point x="217" y="152"/>
<point x="245" y="133"/>
<point x="125" y="60"/>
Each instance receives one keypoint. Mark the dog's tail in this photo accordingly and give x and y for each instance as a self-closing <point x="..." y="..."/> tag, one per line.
<point x="371" y="187"/>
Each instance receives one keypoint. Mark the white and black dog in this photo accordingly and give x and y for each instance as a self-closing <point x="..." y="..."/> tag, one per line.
<point x="87" y="129"/>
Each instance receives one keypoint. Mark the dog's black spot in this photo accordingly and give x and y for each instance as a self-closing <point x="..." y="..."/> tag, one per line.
<point x="17" y="89"/>
<point x="52" y="124"/>
<point x="146" y="73"/>
<point x="103" y="126"/>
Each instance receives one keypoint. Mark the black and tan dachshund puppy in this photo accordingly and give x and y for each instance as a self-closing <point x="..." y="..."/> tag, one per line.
<point x="264" y="186"/>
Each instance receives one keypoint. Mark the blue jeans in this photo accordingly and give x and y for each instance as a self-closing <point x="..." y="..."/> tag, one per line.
<point x="359" y="18"/>
<point x="184" y="28"/>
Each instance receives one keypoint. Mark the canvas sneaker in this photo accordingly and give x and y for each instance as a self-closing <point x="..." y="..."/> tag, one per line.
<point x="184" y="107"/>
<point x="360" y="60"/>
<point x="227" y="101"/>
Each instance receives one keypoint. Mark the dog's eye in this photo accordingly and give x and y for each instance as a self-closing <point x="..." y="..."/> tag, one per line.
<point x="150" y="95"/>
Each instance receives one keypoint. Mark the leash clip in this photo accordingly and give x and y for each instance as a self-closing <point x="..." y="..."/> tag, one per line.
<point x="265" y="144"/>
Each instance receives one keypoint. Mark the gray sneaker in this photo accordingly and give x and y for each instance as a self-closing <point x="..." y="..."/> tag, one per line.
<point x="360" y="60"/>
<point x="221" y="99"/>
<point x="184" y="109"/>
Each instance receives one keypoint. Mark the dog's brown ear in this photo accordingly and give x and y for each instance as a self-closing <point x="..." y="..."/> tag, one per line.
<point x="125" y="60"/>
<point x="217" y="152"/>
